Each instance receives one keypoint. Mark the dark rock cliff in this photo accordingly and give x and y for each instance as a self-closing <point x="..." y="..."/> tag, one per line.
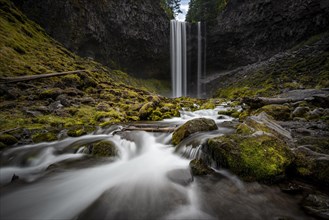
<point x="127" y="34"/>
<point x="248" y="31"/>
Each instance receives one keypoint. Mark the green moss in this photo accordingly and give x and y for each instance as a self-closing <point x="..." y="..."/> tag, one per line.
<point x="44" y="137"/>
<point x="76" y="132"/>
<point x="104" y="149"/>
<point x="7" y="139"/>
<point x="230" y="112"/>
<point x="146" y="110"/>
<point x="278" y="112"/>
<point x="244" y="129"/>
<point x="253" y="158"/>
<point x="51" y="93"/>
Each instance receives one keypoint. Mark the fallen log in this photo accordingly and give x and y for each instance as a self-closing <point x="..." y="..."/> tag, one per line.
<point x="259" y="102"/>
<point x="147" y="128"/>
<point x="34" y="77"/>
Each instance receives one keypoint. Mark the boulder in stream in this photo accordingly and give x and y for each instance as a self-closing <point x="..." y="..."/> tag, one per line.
<point x="193" y="126"/>
<point x="104" y="149"/>
<point x="259" y="151"/>
<point x="200" y="168"/>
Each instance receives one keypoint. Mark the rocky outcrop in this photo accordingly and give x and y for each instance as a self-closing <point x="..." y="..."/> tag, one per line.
<point x="127" y="34"/>
<point x="251" y="31"/>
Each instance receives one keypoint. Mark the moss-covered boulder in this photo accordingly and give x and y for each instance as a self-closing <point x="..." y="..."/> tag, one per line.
<point x="252" y="157"/>
<point x="192" y="126"/>
<point x="311" y="165"/>
<point x="44" y="136"/>
<point x="104" y="149"/>
<point x="200" y="168"/>
<point x="146" y="110"/>
<point x="7" y="140"/>
<point x="278" y="112"/>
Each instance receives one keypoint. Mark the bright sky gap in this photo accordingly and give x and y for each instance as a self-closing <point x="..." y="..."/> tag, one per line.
<point x="184" y="8"/>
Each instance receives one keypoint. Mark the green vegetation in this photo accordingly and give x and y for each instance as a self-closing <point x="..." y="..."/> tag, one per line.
<point x="205" y="10"/>
<point x="171" y="7"/>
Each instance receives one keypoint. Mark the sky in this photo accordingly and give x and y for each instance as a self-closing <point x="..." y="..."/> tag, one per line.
<point x="184" y="9"/>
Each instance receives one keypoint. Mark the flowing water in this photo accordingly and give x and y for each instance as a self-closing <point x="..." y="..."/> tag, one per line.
<point x="148" y="180"/>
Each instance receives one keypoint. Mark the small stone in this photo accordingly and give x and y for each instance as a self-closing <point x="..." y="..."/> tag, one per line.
<point x="200" y="168"/>
<point x="316" y="205"/>
<point x="55" y="105"/>
<point x="300" y="111"/>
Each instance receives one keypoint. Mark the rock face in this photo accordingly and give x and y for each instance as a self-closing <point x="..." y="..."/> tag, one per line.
<point x="250" y="31"/>
<point x="120" y="34"/>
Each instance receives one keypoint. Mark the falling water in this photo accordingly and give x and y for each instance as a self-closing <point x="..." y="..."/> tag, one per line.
<point x="178" y="57"/>
<point x="186" y="81"/>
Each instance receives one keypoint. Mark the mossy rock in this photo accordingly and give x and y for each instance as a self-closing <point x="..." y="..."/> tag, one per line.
<point x="76" y="132"/>
<point x="254" y="158"/>
<point x="278" y="112"/>
<point x="51" y="93"/>
<point x="192" y="126"/>
<point x="200" y="168"/>
<point x="146" y="110"/>
<point x="230" y="112"/>
<point x="311" y="166"/>
<point x="104" y="149"/>
<point x="44" y="137"/>
<point x="7" y="140"/>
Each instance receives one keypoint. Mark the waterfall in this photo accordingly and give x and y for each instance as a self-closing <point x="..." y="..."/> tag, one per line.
<point x="178" y="57"/>
<point x="187" y="62"/>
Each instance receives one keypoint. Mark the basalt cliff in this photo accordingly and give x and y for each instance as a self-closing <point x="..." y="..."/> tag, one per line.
<point x="126" y="34"/>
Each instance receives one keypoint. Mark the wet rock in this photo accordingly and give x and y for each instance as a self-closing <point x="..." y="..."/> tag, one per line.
<point x="316" y="205"/>
<point x="64" y="99"/>
<point x="262" y="122"/>
<point x="291" y="188"/>
<point x="311" y="165"/>
<point x="180" y="176"/>
<point x="87" y="100"/>
<point x="76" y="132"/>
<point x="278" y="112"/>
<point x="43" y="136"/>
<point x="260" y="149"/>
<point x="103" y="107"/>
<point x="7" y="139"/>
<point x="8" y="104"/>
<point x="315" y="114"/>
<point x="43" y="109"/>
<point x="51" y="93"/>
<point x="300" y="111"/>
<point x="55" y="106"/>
<point x="253" y="157"/>
<point x="104" y="149"/>
<point x="200" y="168"/>
<point x="146" y="110"/>
<point x="193" y="126"/>
<point x="33" y="113"/>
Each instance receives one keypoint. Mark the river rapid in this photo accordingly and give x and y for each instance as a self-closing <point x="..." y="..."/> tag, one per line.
<point x="148" y="180"/>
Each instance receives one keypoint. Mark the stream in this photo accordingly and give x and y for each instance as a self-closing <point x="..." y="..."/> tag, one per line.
<point x="148" y="180"/>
